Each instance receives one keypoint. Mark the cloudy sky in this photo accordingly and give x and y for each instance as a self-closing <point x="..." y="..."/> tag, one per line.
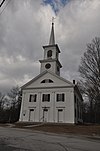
<point x="25" y="27"/>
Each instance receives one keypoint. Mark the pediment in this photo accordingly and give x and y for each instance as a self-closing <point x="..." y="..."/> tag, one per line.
<point x="47" y="79"/>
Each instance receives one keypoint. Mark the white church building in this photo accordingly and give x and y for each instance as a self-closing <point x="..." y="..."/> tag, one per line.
<point x="48" y="97"/>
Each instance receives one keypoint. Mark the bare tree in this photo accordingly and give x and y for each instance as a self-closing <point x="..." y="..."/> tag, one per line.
<point x="10" y="105"/>
<point x="15" y="103"/>
<point x="1" y="100"/>
<point x="90" y="77"/>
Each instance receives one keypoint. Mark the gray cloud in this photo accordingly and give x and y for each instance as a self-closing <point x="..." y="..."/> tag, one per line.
<point x="79" y="23"/>
<point x="25" y="28"/>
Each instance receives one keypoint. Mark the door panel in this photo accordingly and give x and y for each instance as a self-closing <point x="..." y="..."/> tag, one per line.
<point x="31" y="115"/>
<point x="45" y="115"/>
<point x="60" y="115"/>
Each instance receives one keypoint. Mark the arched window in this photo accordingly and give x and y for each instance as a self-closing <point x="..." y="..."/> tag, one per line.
<point x="49" y="53"/>
<point x="47" y="81"/>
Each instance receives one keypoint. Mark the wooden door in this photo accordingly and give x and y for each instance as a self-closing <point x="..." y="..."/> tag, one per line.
<point x="45" y="115"/>
<point x="60" y="115"/>
<point x="31" y="115"/>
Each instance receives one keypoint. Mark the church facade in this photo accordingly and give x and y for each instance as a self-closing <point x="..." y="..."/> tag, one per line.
<point x="48" y="97"/>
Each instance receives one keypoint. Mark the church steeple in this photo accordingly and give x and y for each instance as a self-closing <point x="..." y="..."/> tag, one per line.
<point x="50" y="61"/>
<point x="52" y="36"/>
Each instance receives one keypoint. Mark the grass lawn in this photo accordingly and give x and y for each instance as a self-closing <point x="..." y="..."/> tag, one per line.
<point x="63" y="128"/>
<point x="89" y="129"/>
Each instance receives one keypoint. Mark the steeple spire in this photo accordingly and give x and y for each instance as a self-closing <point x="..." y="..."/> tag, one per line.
<point x="52" y="36"/>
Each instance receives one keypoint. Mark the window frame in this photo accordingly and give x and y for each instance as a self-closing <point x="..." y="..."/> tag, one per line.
<point x="34" y="99"/>
<point x="46" y="97"/>
<point x="60" y="97"/>
<point x="49" y="53"/>
<point x="47" y="81"/>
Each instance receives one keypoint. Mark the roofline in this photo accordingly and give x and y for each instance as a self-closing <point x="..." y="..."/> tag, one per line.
<point x="34" y="79"/>
<point x="43" y="73"/>
<point x="48" y="87"/>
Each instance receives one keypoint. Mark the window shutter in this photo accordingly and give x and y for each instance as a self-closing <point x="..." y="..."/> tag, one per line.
<point x="57" y="98"/>
<point x="63" y="97"/>
<point x="48" y="97"/>
<point x="30" y="98"/>
<point x="43" y="98"/>
<point x="35" y="98"/>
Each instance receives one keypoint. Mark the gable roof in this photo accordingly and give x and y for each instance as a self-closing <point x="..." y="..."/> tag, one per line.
<point x="42" y="74"/>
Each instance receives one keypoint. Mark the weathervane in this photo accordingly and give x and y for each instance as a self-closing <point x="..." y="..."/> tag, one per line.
<point x="53" y="18"/>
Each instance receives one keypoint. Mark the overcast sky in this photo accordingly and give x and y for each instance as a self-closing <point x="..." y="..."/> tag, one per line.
<point x="25" y="27"/>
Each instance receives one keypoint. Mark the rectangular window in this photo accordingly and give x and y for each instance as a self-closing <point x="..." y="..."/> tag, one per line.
<point x="46" y="98"/>
<point x="60" y="97"/>
<point x="33" y="98"/>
